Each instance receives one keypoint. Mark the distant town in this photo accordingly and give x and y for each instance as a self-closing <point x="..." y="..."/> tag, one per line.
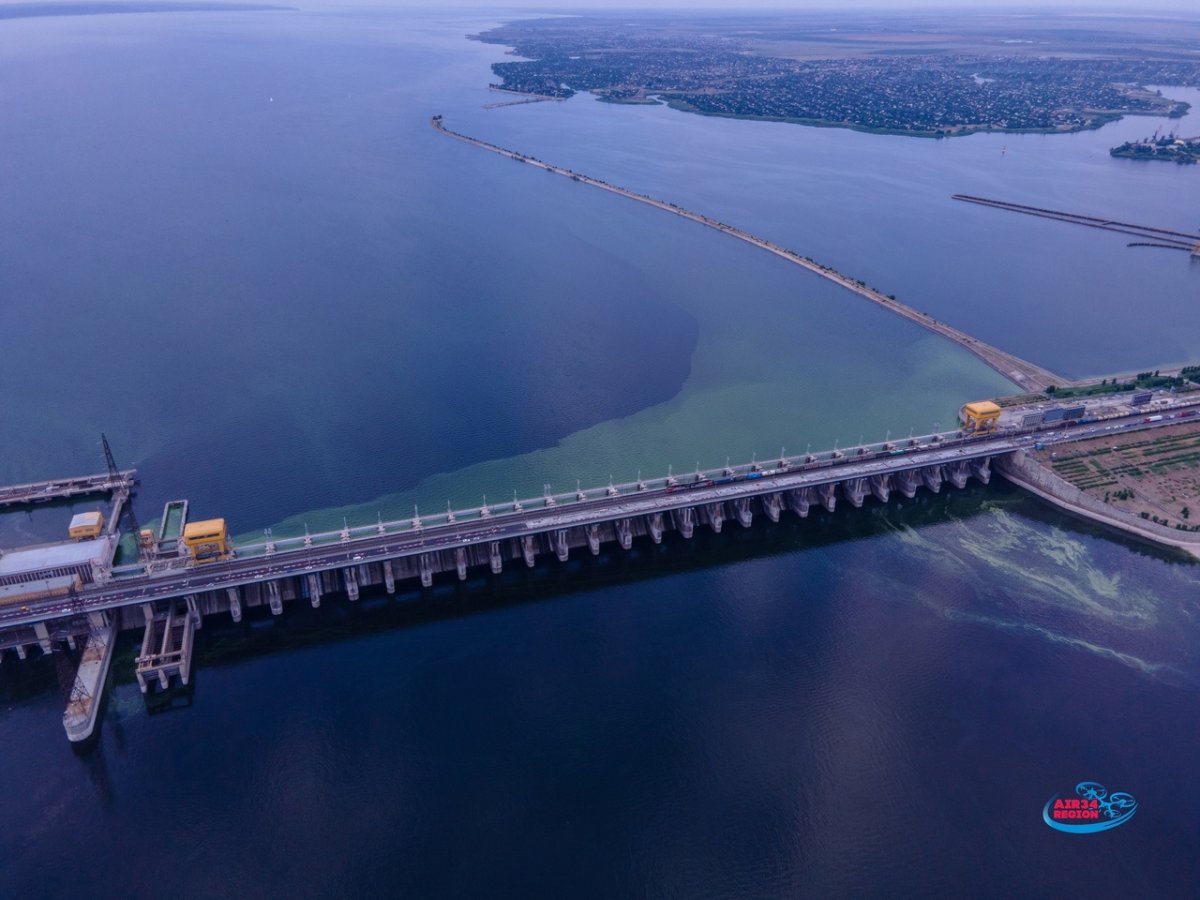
<point x="932" y="84"/>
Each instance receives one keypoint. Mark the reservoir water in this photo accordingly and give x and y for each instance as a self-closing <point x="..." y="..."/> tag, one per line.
<point x="234" y="245"/>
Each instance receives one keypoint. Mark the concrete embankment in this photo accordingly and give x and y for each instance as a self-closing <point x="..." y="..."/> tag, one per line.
<point x="1028" y="474"/>
<point x="1022" y="372"/>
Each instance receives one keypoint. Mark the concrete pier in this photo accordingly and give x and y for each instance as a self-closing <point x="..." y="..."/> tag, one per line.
<point x="715" y="514"/>
<point x="562" y="549"/>
<point x="772" y="507"/>
<point x="855" y="489"/>
<point x="235" y="603"/>
<point x="654" y="526"/>
<point x="800" y="500"/>
<point x="83" y="704"/>
<point x="684" y="521"/>
<point x="958" y="473"/>
<point x="932" y="478"/>
<point x="166" y="645"/>
<point x="881" y="487"/>
<point x="64" y="488"/>
<point x="981" y="469"/>
<point x="624" y="533"/>
<point x="276" y="601"/>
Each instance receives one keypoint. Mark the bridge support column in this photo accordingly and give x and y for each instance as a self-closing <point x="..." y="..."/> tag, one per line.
<point x="529" y="550"/>
<point x="958" y="473"/>
<point x="22" y="652"/>
<point x="193" y="608"/>
<point x="799" y="500"/>
<point x="982" y="469"/>
<point x="826" y="495"/>
<point x="932" y="476"/>
<point x="389" y="577"/>
<point x="561" y="549"/>
<point x="741" y="509"/>
<point x="772" y="506"/>
<point x="881" y="487"/>
<point x="854" y="490"/>
<point x="425" y="564"/>
<point x="43" y="636"/>
<point x="624" y="533"/>
<point x="907" y="482"/>
<point x="274" y="598"/>
<point x="350" y="580"/>
<point x="685" y="521"/>
<point x="715" y="513"/>
<point x="235" y="603"/>
<point x="494" y="557"/>
<point x="654" y="524"/>
<point x="593" y="538"/>
<point x="460" y="563"/>
<point x="314" y="589"/>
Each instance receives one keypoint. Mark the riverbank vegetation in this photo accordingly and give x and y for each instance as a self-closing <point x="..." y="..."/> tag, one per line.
<point x="1141" y="381"/>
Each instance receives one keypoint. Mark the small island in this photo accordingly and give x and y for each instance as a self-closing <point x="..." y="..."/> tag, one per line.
<point x="1184" y="151"/>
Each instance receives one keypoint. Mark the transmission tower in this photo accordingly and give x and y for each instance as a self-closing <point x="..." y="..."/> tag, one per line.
<point x="115" y="473"/>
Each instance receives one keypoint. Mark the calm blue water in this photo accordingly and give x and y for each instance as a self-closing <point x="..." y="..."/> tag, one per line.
<point x="1075" y="300"/>
<point x="234" y="244"/>
<point x="876" y="703"/>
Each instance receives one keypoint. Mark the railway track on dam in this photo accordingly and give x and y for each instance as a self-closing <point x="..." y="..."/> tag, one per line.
<point x="1027" y="375"/>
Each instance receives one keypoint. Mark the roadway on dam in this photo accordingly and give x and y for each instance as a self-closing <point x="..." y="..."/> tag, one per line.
<point x="262" y="562"/>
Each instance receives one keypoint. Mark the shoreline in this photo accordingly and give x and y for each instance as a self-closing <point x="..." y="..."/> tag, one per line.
<point x="1041" y="482"/>
<point x="1027" y="375"/>
<point x="955" y="131"/>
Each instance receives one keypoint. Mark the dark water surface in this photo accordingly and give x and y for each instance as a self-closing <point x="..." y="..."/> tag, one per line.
<point x="874" y="703"/>
<point x="234" y="244"/>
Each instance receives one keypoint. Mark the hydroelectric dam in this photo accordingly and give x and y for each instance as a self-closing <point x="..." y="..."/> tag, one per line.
<point x="54" y="597"/>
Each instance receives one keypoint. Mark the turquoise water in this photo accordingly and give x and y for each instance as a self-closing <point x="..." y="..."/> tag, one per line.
<point x="265" y="262"/>
<point x="288" y="293"/>
<point x="235" y="245"/>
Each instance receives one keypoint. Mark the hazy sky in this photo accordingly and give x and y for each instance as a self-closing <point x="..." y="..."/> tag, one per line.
<point x="1131" y="6"/>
